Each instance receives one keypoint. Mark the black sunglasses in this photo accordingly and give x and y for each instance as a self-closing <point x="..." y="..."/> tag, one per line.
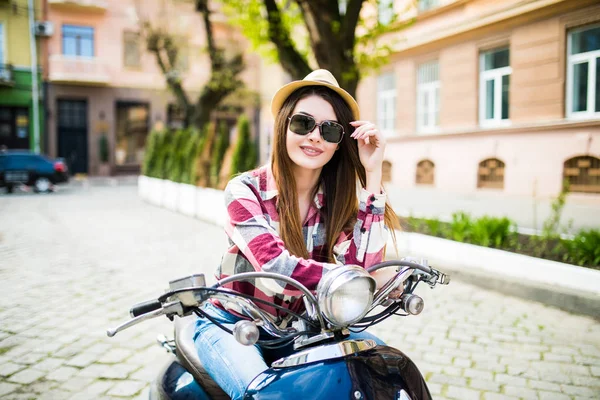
<point x="302" y="124"/>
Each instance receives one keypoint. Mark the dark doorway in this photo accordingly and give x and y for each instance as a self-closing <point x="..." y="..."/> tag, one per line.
<point x="72" y="134"/>
<point x="14" y="127"/>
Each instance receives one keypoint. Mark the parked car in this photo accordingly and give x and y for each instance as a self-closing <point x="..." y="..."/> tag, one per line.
<point x="36" y="170"/>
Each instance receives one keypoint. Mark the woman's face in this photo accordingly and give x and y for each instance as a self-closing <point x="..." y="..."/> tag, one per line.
<point x="310" y="151"/>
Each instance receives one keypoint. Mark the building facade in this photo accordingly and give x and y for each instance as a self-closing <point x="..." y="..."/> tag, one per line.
<point x="106" y="91"/>
<point x="492" y="96"/>
<point x="18" y="126"/>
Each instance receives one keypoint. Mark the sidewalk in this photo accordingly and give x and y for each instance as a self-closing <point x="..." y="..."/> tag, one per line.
<point x="582" y="210"/>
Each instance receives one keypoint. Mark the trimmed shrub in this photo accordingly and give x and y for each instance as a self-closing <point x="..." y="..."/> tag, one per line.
<point x="244" y="153"/>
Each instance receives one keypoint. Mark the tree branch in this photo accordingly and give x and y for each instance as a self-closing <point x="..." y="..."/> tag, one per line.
<point x="290" y="59"/>
<point x="349" y="22"/>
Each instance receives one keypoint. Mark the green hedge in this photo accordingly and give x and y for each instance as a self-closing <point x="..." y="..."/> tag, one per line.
<point x="582" y="249"/>
<point x="183" y="156"/>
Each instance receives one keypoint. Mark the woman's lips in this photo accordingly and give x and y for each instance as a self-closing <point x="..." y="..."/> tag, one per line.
<point x="311" y="151"/>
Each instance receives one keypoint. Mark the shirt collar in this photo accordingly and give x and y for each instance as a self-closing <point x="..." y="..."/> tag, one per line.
<point x="268" y="188"/>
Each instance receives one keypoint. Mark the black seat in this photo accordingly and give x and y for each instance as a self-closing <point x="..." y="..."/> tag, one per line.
<point x="188" y="356"/>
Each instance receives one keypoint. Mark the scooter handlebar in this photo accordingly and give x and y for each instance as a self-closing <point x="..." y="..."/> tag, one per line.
<point x="144" y="307"/>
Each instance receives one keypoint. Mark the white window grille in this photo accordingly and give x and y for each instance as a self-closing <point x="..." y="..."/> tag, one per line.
<point x="386" y="103"/>
<point x="428" y="97"/>
<point x="494" y="85"/>
<point x="583" y="72"/>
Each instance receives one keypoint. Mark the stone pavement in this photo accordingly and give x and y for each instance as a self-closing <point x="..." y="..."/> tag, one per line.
<point x="73" y="262"/>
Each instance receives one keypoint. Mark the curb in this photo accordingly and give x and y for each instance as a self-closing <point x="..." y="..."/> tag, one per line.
<point x="565" y="286"/>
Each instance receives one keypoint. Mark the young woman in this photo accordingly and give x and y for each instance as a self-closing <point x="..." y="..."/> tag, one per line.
<point x="318" y="205"/>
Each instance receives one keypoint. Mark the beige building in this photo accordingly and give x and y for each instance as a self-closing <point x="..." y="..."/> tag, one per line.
<point x="102" y="82"/>
<point x="492" y="95"/>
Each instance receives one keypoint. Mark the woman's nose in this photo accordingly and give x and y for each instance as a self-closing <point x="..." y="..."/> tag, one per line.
<point x="315" y="134"/>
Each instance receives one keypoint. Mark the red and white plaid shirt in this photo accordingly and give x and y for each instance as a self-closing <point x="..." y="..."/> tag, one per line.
<point x="255" y="244"/>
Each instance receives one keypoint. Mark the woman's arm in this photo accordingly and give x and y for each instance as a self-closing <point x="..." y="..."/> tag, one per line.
<point x="262" y="246"/>
<point x="365" y="245"/>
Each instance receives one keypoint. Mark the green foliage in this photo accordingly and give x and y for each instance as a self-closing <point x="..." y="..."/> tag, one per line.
<point x="150" y="154"/>
<point x="493" y="232"/>
<point x="251" y="17"/>
<point x="219" y="151"/>
<point x="189" y="152"/>
<point x="244" y="154"/>
<point x="584" y="248"/>
<point x="103" y="148"/>
<point x="176" y="159"/>
<point x="550" y="228"/>
<point x="460" y="227"/>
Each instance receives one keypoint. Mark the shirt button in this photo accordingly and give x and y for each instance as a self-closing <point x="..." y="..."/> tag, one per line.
<point x="363" y="230"/>
<point x="372" y="198"/>
<point x="287" y="302"/>
<point x="371" y="206"/>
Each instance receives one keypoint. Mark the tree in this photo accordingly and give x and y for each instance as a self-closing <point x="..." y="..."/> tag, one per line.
<point x="224" y="77"/>
<point x="331" y="31"/>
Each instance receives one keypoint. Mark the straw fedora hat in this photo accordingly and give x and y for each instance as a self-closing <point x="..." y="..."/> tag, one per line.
<point x="319" y="77"/>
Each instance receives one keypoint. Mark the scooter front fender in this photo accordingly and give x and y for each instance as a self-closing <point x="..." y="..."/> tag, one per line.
<point x="381" y="373"/>
<point x="174" y="382"/>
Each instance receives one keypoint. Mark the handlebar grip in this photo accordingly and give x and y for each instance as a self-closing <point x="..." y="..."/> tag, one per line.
<point x="144" y="307"/>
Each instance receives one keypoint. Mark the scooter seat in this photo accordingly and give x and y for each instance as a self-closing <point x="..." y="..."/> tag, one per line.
<point x="188" y="356"/>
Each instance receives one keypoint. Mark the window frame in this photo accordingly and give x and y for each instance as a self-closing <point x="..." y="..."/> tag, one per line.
<point x="384" y="97"/>
<point x="574" y="59"/>
<point x="93" y="40"/>
<point x="496" y="74"/>
<point x="433" y="90"/>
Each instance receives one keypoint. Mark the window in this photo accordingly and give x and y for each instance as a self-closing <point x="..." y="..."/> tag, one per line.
<point x="78" y="41"/>
<point x="425" y="172"/>
<point x="428" y="97"/>
<point x="132" y="49"/>
<point x="426" y="5"/>
<point x="583" y="72"/>
<point x="386" y="103"/>
<point x="583" y="174"/>
<point x="385" y="11"/>
<point x="133" y="125"/>
<point x="491" y="174"/>
<point x="494" y="83"/>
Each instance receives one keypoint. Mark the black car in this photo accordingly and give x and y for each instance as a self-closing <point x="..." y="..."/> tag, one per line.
<point x="36" y="170"/>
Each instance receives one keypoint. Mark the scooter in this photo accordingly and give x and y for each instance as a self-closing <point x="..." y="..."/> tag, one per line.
<point x="324" y="364"/>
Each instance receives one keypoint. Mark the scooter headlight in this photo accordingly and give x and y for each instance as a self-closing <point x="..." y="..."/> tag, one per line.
<point x="345" y="295"/>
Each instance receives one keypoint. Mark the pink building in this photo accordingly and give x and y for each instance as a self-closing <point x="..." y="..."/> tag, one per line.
<point x="496" y="96"/>
<point x="103" y="83"/>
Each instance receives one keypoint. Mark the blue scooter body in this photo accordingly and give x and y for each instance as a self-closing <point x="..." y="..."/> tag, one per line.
<point x="380" y="373"/>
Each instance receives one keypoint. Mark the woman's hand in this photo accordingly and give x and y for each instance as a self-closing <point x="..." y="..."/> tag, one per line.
<point x="371" y="145"/>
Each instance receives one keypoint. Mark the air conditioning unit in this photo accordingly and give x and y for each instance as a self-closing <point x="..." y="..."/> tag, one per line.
<point x="44" y="28"/>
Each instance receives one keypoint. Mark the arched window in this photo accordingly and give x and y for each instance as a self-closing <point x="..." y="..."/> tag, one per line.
<point x="583" y="174"/>
<point x="491" y="174"/>
<point x="425" y="172"/>
<point x="387" y="171"/>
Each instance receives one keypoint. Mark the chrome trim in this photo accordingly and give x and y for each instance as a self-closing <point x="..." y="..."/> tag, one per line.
<point x="270" y="275"/>
<point x="325" y="352"/>
<point x="396" y="281"/>
<point x="335" y="279"/>
<point x="248" y="308"/>
<point x="196" y="280"/>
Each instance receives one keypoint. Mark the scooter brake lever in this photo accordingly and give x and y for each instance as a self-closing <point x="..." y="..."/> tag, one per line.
<point x="168" y="309"/>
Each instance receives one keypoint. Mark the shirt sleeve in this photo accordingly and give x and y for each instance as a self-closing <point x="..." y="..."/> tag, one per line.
<point x="249" y="229"/>
<point x="365" y="245"/>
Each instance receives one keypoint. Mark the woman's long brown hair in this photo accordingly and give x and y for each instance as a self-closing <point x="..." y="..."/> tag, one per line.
<point x="338" y="177"/>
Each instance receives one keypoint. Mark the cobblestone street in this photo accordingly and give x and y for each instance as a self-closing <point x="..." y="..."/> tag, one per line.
<point x="73" y="262"/>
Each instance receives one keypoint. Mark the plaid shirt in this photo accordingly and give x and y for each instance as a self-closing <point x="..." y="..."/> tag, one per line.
<point x="255" y="244"/>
